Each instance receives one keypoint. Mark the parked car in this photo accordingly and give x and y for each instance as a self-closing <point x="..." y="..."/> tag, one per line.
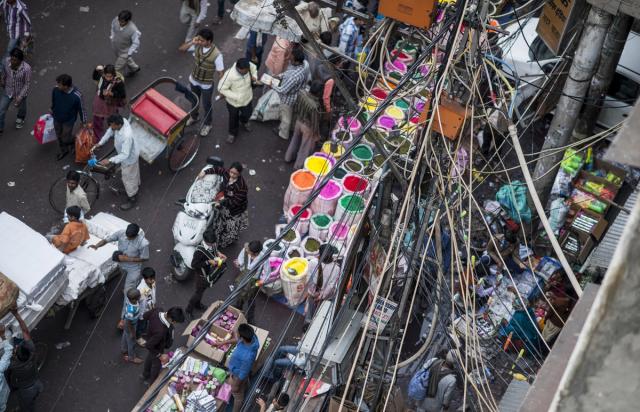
<point x="521" y="52"/>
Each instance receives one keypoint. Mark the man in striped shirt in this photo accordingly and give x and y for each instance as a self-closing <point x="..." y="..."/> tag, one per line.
<point x="293" y="80"/>
<point x="15" y="79"/>
<point x="17" y="21"/>
<point x="66" y="106"/>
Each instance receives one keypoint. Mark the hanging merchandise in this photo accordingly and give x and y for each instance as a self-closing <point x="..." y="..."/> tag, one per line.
<point x="513" y="199"/>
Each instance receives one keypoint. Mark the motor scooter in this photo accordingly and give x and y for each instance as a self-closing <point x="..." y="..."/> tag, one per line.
<point x="197" y="214"/>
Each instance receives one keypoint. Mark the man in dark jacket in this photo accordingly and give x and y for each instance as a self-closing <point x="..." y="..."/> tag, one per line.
<point x="23" y="370"/>
<point x="66" y="106"/>
<point x="206" y="260"/>
<point x="159" y="338"/>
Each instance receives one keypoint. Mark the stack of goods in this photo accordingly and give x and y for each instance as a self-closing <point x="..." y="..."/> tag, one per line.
<point x="583" y="190"/>
<point x="195" y="387"/>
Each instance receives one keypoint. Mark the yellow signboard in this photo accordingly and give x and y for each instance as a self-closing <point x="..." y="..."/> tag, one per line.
<point x="554" y="21"/>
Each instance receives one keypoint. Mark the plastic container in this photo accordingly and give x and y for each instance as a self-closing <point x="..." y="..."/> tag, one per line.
<point x="303" y="221"/>
<point x="327" y="199"/>
<point x="338" y="174"/>
<point x="277" y="250"/>
<point x="318" y="165"/>
<point x="349" y="209"/>
<point x="290" y="239"/>
<point x="311" y="246"/>
<point x="333" y="149"/>
<point x="386" y="122"/>
<point x="379" y="94"/>
<point x="319" y="226"/>
<point x="395" y="113"/>
<point x="294" y="252"/>
<point x="338" y="232"/>
<point x="294" y="274"/>
<point x="353" y="166"/>
<point x="354" y="184"/>
<point x="271" y="271"/>
<point x="362" y="153"/>
<point x="343" y="137"/>
<point x="301" y="183"/>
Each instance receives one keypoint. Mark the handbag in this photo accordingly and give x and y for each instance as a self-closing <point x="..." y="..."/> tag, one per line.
<point x="43" y="130"/>
<point x="84" y="142"/>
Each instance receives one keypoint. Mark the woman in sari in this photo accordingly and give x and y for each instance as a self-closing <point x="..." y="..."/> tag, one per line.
<point x="109" y="98"/>
<point x="232" y="203"/>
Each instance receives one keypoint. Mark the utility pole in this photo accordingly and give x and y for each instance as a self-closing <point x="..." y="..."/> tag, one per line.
<point x="611" y="51"/>
<point x="582" y="68"/>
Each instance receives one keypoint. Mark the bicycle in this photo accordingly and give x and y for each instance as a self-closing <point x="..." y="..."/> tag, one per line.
<point x="58" y="189"/>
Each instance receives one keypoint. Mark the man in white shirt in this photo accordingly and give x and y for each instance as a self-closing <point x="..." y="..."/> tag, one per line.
<point x="75" y="196"/>
<point x="125" y="41"/>
<point x="147" y="289"/>
<point x="193" y="13"/>
<point x="236" y="87"/>
<point x="246" y="262"/>
<point x="127" y="157"/>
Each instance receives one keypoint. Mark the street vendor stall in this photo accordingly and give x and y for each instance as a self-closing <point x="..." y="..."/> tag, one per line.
<point x="199" y="382"/>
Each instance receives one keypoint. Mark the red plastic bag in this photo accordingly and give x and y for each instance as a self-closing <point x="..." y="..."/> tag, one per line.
<point x="44" y="131"/>
<point x="85" y="139"/>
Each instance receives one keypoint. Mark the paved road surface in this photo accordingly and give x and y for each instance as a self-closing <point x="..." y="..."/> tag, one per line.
<point x="89" y="375"/>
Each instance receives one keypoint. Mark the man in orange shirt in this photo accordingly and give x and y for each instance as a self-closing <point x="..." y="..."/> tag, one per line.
<point x="74" y="234"/>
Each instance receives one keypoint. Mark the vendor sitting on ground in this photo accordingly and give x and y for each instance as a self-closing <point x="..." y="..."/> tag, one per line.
<point x="523" y="328"/>
<point x="74" y="234"/>
<point x="506" y="249"/>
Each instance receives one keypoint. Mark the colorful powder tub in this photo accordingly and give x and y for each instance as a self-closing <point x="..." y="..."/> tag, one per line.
<point x="301" y="184"/>
<point x="318" y="165"/>
<point x="333" y="149"/>
<point x="379" y="94"/>
<point x="311" y="246"/>
<point x="353" y="166"/>
<point x="362" y="153"/>
<point x="338" y="233"/>
<point x="319" y="226"/>
<point x="350" y="208"/>
<point x="350" y="123"/>
<point x="277" y="249"/>
<point x="327" y="199"/>
<point x="355" y="184"/>
<point x="271" y="271"/>
<point x="294" y="274"/>
<point x="386" y="123"/>
<point x="303" y="221"/>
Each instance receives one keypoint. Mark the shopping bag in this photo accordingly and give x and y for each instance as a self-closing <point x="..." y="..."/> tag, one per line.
<point x="224" y="393"/>
<point x="85" y="139"/>
<point x="44" y="130"/>
<point x="267" y="108"/>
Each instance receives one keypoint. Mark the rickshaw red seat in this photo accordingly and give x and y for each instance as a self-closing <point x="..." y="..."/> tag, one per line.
<point x="157" y="110"/>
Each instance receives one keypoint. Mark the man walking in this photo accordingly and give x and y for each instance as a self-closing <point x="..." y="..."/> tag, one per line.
<point x="205" y="262"/>
<point x="66" y="106"/>
<point x="193" y="13"/>
<point x="208" y="61"/>
<point x="237" y="88"/>
<point x="15" y="80"/>
<point x="18" y="22"/>
<point x="133" y="251"/>
<point x="125" y="41"/>
<point x="159" y="339"/>
<point x="127" y="157"/>
<point x="293" y="80"/>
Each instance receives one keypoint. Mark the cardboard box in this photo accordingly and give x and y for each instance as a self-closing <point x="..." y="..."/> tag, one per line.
<point x="449" y="119"/>
<point x="417" y="13"/>
<point x="602" y="165"/>
<point x="262" y="338"/>
<point x="203" y="347"/>
<point x="597" y="231"/>
<point x="588" y="177"/>
<point x="586" y="246"/>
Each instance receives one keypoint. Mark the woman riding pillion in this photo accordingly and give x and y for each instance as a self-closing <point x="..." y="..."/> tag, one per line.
<point x="232" y="203"/>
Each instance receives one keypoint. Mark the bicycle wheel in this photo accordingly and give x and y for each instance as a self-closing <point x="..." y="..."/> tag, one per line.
<point x="183" y="151"/>
<point x="58" y="191"/>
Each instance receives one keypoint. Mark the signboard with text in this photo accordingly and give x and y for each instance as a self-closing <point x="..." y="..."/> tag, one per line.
<point x="556" y="19"/>
<point x="382" y="312"/>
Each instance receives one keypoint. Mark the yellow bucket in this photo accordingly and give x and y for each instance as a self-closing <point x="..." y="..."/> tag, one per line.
<point x="370" y="104"/>
<point x="394" y="112"/>
<point x="339" y="149"/>
<point x="318" y="165"/>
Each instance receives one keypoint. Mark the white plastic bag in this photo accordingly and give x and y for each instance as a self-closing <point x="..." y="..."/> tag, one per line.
<point x="267" y="108"/>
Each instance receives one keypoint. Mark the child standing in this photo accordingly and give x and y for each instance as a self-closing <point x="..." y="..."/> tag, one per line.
<point x="147" y="288"/>
<point x="131" y="316"/>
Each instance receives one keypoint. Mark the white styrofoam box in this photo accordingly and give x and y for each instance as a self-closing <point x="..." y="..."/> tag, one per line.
<point x="104" y="224"/>
<point x="100" y="258"/>
<point x="82" y="275"/>
<point x="150" y="146"/>
<point x="27" y="257"/>
<point x="261" y="15"/>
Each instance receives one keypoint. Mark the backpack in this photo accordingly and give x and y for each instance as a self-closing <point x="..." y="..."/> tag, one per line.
<point x="418" y="385"/>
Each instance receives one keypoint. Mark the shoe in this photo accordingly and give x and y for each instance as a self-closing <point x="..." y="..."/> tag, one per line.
<point x="191" y="121"/>
<point x="121" y="324"/>
<point x="141" y="342"/>
<point x="204" y="132"/>
<point x="231" y="138"/>
<point x="246" y="127"/>
<point x="135" y="360"/>
<point x="62" y="155"/>
<point x="19" y="123"/>
<point x="133" y="72"/>
<point x="200" y="306"/>
<point x="130" y="203"/>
